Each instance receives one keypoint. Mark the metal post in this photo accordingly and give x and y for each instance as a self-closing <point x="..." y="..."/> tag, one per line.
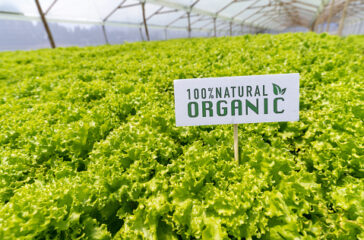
<point x="145" y="21"/>
<point x="141" y="33"/>
<point x="317" y="25"/>
<point x="231" y="28"/>
<point x="50" y="37"/>
<point x="214" y="19"/>
<point x="105" y="35"/>
<point x="359" y="27"/>
<point x="330" y="16"/>
<point x="322" y="26"/>
<point x="314" y="25"/>
<point x="189" y="24"/>
<point x="343" y="16"/>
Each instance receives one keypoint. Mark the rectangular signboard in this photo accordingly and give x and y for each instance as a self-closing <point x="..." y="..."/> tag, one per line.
<point x="234" y="100"/>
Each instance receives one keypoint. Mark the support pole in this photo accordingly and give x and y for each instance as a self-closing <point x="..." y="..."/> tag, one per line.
<point x="357" y="28"/>
<point x="105" y="35"/>
<point x="231" y="28"/>
<point x="189" y="24"/>
<point x="236" y="143"/>
<point x="141" y="33"/>
<point x="313" y="26"/>
<point x="330" y="15"/>
<point x="322" y="26"/>
<point x="214" y="19"/>
<point x="45" y="24"/>
<point x="165" y="34"/>
<point x="343" y="16"/>
<point x="145" y="21"/>
<point x="50" y="7"/>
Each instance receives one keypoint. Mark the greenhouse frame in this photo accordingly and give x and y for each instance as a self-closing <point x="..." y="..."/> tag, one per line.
<point x="203" y="17"/>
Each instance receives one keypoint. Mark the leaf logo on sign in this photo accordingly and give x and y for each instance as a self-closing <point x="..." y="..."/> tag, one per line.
<point x="277" y="90"/>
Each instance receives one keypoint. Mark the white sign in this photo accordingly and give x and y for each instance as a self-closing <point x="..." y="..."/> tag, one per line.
<point x="233" y="100"/>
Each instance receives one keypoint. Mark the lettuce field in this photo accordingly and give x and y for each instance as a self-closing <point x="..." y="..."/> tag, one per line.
<point x="89" y="148"/>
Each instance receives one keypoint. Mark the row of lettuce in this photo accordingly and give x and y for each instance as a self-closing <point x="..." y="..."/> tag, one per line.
<point x="89" y="147"/>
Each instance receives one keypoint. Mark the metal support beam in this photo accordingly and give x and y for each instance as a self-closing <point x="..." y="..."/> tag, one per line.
<point x="113" y="11"/>
<point x="253" y="14"/>
<point x="46" y="27"/>
<point x="357" y="30"/>
<point x="145" y="21"/>
<point x="318" y="17"/>
<point x="199" y="11"/>
<point x="175" y="20"/>
<point x="168" y="11"/>
<point x="321" y="27"/>
<point x="200" y="19"/>
<point x="130" y="5"/>
<point x="330" y="15"/>
<point x="141" y="33"/>
<point x="265" y="19"/>
<point x="50" y="7"/>
<point x="241" y="12"/>
<point x="193" y="4"/>
<point x="214" y="20"/>
<point x="105" y="35"/>
<point x="107" y="17"/>
<point x="189" y="24"/>
<point x="225" y="7"/>
<point x="155" y="13"/>
<point x="305" y="11"/>
<point x="231" y="28"/>
<point x="314" y="25"/>
<point x="294" y="19"/>
<point x="343" y="16"/>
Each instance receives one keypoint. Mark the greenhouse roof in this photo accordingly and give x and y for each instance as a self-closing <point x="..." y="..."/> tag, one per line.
<point x="193" y="15"/>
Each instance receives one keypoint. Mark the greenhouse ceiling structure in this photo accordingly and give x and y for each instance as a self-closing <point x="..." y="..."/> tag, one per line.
<point x="208" y="16"/>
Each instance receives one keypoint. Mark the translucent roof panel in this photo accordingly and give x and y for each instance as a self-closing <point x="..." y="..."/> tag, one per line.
<point x="185" y="2"/>
<point x="204" y="23"/>
<point x="84" y="10"/>
<point x="26" y="7"/>
<point x="105" y="7"/>
<point x="129" y="14"/>
<point x="164" y="16"/>
<point x="236" y="8"/>
<point x="211" y="5"/>
<point x="257" y="14"/>
<point x="180" y="22"/>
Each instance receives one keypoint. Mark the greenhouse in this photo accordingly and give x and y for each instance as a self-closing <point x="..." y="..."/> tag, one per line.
<point x="91" y="22"/>
<point x="181" y="119"/>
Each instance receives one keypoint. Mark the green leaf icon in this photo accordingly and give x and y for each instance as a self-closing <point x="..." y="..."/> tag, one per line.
<point x="276" y="89"/>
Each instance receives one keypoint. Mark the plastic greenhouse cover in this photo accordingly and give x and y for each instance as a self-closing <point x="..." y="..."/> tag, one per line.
<point x="166" y="13"/>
